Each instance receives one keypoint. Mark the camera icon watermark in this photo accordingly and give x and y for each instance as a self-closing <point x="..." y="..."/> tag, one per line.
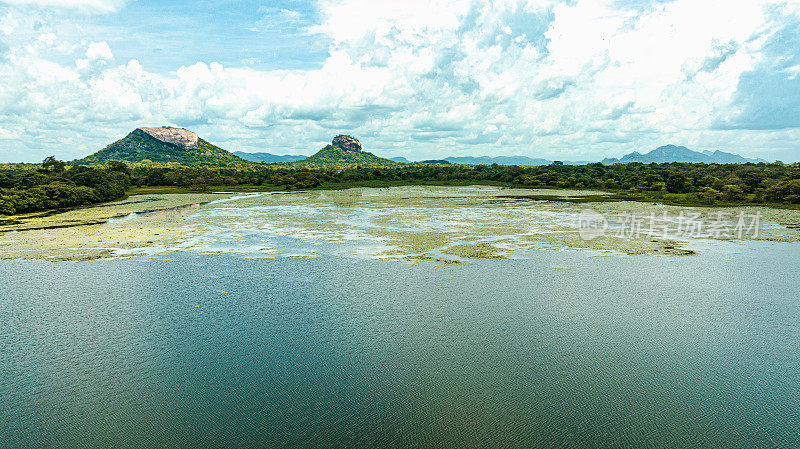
<point x="591" y="224"/>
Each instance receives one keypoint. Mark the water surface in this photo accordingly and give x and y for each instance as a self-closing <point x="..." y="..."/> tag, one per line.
<point x="563" y="350"/>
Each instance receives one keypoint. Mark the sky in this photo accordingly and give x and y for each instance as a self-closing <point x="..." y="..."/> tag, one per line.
<point x="567" y="80"/>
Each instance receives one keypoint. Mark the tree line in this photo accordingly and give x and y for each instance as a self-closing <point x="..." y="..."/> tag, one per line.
<point x="690" y="183"/>
<point x="53" y="185"/>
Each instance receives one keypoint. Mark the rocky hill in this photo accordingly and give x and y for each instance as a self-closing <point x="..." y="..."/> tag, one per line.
<point x="343" y="151"/>
<point x="163" y="144"/>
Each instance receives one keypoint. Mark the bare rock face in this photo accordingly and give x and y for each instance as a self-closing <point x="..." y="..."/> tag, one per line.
<point x="347" y="143"/>
<point x="175" y="136"/>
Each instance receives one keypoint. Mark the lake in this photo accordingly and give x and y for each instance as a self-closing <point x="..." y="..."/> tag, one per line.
<point x="559" y="348"/>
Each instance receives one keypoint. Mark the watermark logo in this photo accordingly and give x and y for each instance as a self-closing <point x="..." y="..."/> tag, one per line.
<point x="591" y="224"/>
<point x="685" y="224"/>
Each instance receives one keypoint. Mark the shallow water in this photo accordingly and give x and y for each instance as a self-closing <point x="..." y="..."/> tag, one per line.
<point x="566" y="349"/>
<point x="413" y="223"/>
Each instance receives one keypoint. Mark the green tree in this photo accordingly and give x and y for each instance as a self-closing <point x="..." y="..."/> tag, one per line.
<point x="119" y="166"/>
<point x="732" y="193"/>
<point x="30" y="179"/>
<point x="676" y="183"/>
<point x="51" y="164"/>
<point x="753" y="179"/>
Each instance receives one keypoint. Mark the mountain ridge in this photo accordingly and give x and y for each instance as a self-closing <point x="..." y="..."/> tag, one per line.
<point x="178" y="145"/>
<point x="673" y="153"/>
<point x="662" y="154"/>
<point x="268" y="157"/>
<point x="499" y="160"/>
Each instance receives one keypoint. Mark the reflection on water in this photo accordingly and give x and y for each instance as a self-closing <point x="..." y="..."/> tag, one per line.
<point x="563" y="350"/>
<point x="172" y="212"/>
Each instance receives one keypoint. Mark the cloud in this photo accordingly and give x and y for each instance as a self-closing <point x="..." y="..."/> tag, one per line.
<point x="552" y="87"/>
<point x="569" y="80"/>
<point x="99" y="51"/>
<point x="766" y="97"/>
<point x="86" y="6"/>
<point x="716" y="55"/>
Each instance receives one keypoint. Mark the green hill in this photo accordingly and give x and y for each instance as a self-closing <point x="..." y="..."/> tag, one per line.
<point x="335" y="156"/>
<point x="163" y="145"/>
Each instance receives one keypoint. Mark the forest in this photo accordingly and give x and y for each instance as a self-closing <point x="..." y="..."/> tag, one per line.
<point x="54" y="185"/>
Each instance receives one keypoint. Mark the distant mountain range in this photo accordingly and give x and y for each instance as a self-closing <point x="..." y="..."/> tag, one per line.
<point x="664" y="154"/>
<point x="499" y="160"/>
<point x="480" y="160"/>
<point x="672" y="153"/>
<point x="268" y="157"/>
<point x="168" y="144"/>
<point x="489" y="160"/>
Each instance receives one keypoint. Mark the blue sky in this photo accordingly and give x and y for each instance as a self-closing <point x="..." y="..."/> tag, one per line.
<point x="264" y="36"/>
<point x="574" y="80"/>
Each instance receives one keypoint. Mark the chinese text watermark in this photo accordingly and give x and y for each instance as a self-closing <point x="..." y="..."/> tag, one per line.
<point x="684" y="224"/>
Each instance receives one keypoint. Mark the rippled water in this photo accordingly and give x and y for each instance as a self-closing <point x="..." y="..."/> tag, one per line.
<point x="563" y="350"/>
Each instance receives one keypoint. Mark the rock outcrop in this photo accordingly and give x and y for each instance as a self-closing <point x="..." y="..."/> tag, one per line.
<point x="179" y="137"/>
<point x="347" y="143"/>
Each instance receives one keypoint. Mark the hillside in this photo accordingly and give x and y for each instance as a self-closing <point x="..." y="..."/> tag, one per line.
<point x="344" y="151"/>
<point x="673" y="153"/>
<point x="335" y="156"/>
<point x="161" y="145"/>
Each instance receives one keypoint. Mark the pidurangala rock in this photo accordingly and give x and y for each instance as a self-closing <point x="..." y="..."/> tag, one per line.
<point x="347" y="143"/>
<point x="180" y="137"/>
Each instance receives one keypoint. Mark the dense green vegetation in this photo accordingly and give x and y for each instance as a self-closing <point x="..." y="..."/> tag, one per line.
<point x="52" y="186"/>
<point x="678" y="183"/>
<point x="139" y="146"/>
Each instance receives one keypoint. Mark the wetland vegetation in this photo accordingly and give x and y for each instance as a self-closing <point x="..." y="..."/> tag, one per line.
<point x="54" y="185"/>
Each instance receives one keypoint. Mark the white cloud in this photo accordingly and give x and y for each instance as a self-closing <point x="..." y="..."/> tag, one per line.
<point x="99" y="51"/>
<point x="87" y="6"/>
<point x="574" y="80"/>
